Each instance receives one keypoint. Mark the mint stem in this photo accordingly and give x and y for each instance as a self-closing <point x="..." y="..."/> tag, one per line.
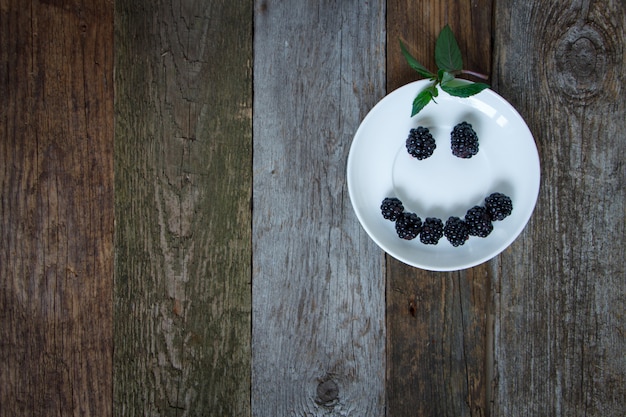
<point x="475" y="74"/>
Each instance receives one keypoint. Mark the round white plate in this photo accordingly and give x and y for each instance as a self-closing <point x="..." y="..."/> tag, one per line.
<point x="443" y="185"/>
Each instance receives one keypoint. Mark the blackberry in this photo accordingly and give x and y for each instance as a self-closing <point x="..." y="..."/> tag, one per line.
<point x="464" y="141"/>
<point x="432" y="231"/>
<point x="391" y="208"/>
<point x="498" y="206"/>
<point x="408" y="226"/>
<point x="478" y="222"/>
<point x="456" y="231"/>
<point x="420" y="143"/>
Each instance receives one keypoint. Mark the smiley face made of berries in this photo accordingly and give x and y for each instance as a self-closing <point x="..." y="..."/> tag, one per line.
<point x="478" y="220"/>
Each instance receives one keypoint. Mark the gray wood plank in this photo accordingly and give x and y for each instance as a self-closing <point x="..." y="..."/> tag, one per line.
<point x="56" y="208"/>
<point x="559" y="329"/>
<point x="183" y="185"/>
<point x="318" y="285"/>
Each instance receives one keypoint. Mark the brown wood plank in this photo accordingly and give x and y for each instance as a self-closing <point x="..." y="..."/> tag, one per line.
<point x="56" y="210"/>
<point x="562" y="288"/>
<point x="318" y="304"/>
<point x="438" y="326"/>
<point x="417" y="24"/>
<point x="183" y="163"/>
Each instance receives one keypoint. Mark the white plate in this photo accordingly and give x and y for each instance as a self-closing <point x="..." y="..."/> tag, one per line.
<point x="442" y="185"/>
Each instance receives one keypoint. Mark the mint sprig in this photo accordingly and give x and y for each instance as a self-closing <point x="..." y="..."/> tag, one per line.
<point x="450" y="65"/>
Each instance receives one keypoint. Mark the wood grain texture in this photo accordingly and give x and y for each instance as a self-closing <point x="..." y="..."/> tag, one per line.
<point x="318" y="304"/>
<point x="417" y="24"/>
<point x="438" y="324"/>
<point x="56" y="210"/>
<point x="561" y="289"/>
<point x="182" y="200"/>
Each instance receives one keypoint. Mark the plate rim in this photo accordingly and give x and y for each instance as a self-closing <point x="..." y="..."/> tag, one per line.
<point x="506" y="242"/>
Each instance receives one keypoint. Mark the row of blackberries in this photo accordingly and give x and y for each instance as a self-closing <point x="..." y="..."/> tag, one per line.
<point x="477" y="222"/>
<point x="463" y="142"/>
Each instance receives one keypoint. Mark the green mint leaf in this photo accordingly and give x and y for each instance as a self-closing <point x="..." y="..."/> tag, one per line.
<point x="422" y="99"/>
<point x="447" y="52"/>
<point x="413" y="63"/>
<point x="464" y="90"/>
<point x="433" y="90"/>
<point x="446" y="77"/>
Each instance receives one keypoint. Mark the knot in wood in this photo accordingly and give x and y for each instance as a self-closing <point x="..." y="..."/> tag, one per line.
<point x="580" y="62"/>
<point x="327" y="393"/>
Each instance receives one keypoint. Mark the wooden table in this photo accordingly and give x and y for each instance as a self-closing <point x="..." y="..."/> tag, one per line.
<point x="177" y="237"/>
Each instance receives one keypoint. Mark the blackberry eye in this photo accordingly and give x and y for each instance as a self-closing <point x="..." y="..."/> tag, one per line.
<point x="420" y="143"/>
<point x="464" y="141"/>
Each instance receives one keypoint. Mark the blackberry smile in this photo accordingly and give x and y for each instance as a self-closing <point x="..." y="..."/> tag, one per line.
<point x="478" y="221"/>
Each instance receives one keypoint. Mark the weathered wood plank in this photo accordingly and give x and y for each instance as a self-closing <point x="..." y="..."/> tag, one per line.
<point x="559" y="339"/>
<point x="438" y="339"/>
<point x="318" y="304"/>
<point x="56" y="210"/>
<point x="183" y="163"/>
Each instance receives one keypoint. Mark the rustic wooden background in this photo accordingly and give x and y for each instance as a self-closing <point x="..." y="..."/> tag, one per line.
<point x="176" y="236"/>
